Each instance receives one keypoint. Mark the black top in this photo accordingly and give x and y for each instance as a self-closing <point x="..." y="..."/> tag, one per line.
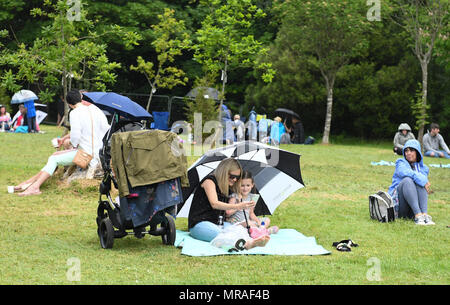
<point x="201" y="209"/>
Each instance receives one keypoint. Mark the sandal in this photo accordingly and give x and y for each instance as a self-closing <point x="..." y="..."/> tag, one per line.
<point x="344" y="245"/>
<point x="22" y="188"/>
<point x="238" y="246"/>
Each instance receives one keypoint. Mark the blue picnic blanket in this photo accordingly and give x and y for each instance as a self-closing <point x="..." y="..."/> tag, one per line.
<point x="389" y="163"/>
<point x="285" y="242"/>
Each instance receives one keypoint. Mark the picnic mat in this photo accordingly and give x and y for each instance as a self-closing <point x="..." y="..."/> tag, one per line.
<point x="285" y="242"/>
<point x="389" y="163"/>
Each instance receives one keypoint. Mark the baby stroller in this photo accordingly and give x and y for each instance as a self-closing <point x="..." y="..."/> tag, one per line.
<point x="145" y="210"/>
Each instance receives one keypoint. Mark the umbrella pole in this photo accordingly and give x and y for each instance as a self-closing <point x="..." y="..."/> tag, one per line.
<point x="246" y="221"/>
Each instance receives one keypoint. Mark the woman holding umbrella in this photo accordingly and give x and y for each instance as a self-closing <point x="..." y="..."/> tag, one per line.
<point x="211" y="200"/>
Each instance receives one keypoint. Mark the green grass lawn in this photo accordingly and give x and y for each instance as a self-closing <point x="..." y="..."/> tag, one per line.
<point x="41" y="235"/>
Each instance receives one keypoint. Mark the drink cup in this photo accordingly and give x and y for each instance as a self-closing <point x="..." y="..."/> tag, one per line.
<point x="10" y="189"/>
<point x="55" y="142"/>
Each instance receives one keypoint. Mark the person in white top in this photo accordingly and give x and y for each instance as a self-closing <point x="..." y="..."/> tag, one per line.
<point x="80" y="136"/>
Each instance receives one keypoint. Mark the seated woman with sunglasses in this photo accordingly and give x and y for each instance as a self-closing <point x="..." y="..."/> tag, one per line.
<point x="410" y="186"/>
<point x="211" y="200"/>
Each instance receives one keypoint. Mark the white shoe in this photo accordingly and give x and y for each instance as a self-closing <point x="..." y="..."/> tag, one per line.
<point x="420" y="220"/>
<point x="428" y="220"/>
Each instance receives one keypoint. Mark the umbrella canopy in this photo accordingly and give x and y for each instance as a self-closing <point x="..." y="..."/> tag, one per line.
<point x="41" y="113"/>
<point x="23" y="96"/>
<point x="286" y="112"/>
<point x="276" y="173"/>
<point x="207" y="92"/>
<point x="113" y="102"/>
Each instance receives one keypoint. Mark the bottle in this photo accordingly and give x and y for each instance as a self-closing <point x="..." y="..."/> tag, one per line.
<point x="220" y="222"/>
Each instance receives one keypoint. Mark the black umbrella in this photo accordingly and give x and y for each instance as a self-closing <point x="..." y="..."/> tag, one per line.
<point x="283" y="112"/>
<point x="276" y="173"/>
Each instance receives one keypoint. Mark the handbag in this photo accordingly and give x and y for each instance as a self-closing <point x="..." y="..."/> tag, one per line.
<point x="82" y="158"/>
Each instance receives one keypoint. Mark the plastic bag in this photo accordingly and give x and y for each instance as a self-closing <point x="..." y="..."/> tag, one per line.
<point x="229" y="236"/>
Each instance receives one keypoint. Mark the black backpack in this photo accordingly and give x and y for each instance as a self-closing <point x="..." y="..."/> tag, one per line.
<point x="381" y="207"/>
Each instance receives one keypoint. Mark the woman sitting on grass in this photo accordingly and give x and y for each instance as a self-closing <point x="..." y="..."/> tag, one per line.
<point x="211" y="201"/>
<point x="410" y="186"/>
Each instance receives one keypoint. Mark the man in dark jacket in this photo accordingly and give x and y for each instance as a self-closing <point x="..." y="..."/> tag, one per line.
<point x="299" y="133"/>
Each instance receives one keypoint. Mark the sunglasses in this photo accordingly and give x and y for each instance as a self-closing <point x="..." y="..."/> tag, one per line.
<point x="234" y="177"/>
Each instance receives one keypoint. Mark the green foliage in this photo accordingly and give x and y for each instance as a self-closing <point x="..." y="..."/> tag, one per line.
<point x="371" y="95"/>
<point x="65" y="50"/>
<point x="419" y="110"/>
<point x="224" y="41"/>
<point x="170" y="39"/>
<point x="205" y="106"/>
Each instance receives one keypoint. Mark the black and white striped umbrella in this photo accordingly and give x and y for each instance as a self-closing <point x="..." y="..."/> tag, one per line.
<point x="276" y="173"/>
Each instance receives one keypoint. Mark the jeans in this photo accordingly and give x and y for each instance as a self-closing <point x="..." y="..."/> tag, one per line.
<point x="206" y="230"/>
<point x="436" y="155"/>
<point x="412" y="198"/>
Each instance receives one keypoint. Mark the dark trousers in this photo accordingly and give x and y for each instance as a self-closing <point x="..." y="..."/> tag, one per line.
<point x="31" y="124"/>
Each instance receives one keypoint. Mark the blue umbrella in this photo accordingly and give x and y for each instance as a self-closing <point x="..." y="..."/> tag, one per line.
<point x="113" y="102"/>
<point x="23" y="96"/>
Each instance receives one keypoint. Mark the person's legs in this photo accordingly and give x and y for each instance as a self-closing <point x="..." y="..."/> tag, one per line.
<point x="446" y="155"/>
<point x="430" y="153"/>
<point x="33" y="124"/>
<point x="33" y="189"/>
<point x="422" y="198"/>
<point x="62" y="158"/>
<point x="25" y="184"/>
<point x="398" y="151"/>
<point x="205" y="231"/>
<point x="259" y="242"/>
<point x="408" y="199"/>
<point x="59" y="158"/>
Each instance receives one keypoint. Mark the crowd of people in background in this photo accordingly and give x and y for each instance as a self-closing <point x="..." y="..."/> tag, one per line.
<point x="286" y="130"/>
<point x="433" y="143"/>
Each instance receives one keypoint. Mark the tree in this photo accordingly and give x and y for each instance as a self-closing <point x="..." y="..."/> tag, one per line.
<point x="422" y="20"/>
<point x="171" y="39"/>
<point x="326" y="35"/>
<point x="66" y="50"/>
<point x="224" y="41"/>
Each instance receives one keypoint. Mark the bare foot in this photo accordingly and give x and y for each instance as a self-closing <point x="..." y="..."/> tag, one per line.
<point x="259" y="242"/>
<point x="22" y="186"/>
<point x="30" y="192"/>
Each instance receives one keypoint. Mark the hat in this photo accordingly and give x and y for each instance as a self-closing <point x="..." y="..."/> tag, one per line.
<point x="404" y="126"/>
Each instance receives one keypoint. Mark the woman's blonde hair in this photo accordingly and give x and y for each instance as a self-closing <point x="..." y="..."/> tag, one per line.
<point x="222" y="175"/>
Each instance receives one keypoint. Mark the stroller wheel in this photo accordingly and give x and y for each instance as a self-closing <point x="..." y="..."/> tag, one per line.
<point x="168" y="237"/>
<point x="106" y="233"/>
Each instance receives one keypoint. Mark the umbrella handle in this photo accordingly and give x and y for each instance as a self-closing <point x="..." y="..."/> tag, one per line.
<point x="246" y="221"/>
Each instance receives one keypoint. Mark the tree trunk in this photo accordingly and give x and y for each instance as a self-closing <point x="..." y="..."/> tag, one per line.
<point x="327" y="128"/>
<point x="424" y="66"/>
<point x="149" y="99"/>
<point x="224" y="81"/>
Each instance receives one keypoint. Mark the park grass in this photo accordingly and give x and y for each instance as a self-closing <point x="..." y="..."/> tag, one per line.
<point x="39" y="235"/>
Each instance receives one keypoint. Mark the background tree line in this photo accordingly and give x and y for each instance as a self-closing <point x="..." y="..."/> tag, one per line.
<point x="375" y="84"/>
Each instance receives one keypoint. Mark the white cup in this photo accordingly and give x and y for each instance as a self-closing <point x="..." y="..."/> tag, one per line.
<point x="55" y="142"/>
<point x="10" y="189"/>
